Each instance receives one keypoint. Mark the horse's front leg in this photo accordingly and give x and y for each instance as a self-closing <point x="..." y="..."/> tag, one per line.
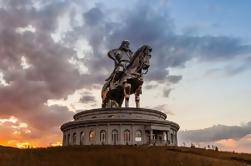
<point x="127" y="90"/>
<point x="137" y="97"/>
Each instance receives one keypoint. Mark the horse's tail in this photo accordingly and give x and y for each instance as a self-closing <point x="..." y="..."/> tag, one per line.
<point x="104" y="92"/>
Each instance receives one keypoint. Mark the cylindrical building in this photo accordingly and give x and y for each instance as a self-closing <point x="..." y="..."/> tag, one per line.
<point x="120" y="126"/>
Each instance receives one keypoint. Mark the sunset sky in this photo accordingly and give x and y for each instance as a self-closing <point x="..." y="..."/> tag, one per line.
<point x="53" y="63"/>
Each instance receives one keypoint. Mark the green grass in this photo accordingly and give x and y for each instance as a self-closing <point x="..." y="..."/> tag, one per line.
<point x="121" y="156"/>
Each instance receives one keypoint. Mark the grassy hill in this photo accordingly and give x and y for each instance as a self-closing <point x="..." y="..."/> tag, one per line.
<point x="121" y="156"/>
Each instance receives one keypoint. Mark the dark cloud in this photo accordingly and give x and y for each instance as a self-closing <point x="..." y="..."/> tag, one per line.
<point x="167" y="92"/>
<point x="233" y="70"/>
<point x="94" y="16"/>
<point x="215" y="133"/>
<point x="164" y="108"/>
<point x="87" y="99"/>
<point x="174" y="79"/>
<point x="150" y="86"/>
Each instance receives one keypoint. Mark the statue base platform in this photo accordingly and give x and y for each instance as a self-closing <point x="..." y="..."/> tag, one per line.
<point x="120" y="126"/>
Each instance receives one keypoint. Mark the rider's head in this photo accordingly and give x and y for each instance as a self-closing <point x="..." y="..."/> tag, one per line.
<point x="125" y="45"/>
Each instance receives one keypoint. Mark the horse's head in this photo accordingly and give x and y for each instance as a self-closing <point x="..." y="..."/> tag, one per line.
<point x="141" y="59"/>
<point x="145" y="57"/>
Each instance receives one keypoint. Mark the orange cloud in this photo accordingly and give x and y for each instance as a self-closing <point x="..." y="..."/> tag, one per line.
<point x="227" y="143"/>
<point x="240" y="145"/>
<point x="19" y="134"/>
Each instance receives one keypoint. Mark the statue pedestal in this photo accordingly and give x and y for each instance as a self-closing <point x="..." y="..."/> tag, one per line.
<point x="120" y="126"/>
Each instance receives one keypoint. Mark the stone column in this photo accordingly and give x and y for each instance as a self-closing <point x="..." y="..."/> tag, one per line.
<point x="78" y="136"/>
<point x="164" y="137"/>
<point x="151" y="136"/>
<point x="64" y="139"/>
<point x="85" y="135"/>
<point x="121" y="134"/>
<point x="70" y="138"/>
<point x="132" y="135"/>
<point x="168" y="137"/>
<point x="143" y="132"/>
<point x="97" y="140"/>
<point x="109" y="135"/>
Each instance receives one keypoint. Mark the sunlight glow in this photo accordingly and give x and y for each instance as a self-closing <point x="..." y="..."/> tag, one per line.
<point x="28" y="28"/>
<point x="2" y="80"/>
<point x="24" y="63"/>
<point x="11" y="119"/>
<point x="229" y="143"/>
<point x="24" y="145"/>
<point x="56" y="144"/>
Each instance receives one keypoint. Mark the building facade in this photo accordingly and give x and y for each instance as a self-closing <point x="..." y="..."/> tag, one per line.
<point x="120" y="126"/>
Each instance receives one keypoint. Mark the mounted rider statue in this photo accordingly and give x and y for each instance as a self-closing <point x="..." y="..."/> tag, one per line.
<point x="124" y="81"/>
<point x="121" y="57"/>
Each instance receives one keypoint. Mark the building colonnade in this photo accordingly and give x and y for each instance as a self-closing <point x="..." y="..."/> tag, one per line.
<point x="118" y="136"/>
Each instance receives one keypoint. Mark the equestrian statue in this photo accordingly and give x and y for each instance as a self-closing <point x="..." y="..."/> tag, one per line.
<point x="127" y="76"/>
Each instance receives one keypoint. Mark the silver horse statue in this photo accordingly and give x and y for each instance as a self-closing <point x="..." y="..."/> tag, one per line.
<point x="130" y="82"/>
